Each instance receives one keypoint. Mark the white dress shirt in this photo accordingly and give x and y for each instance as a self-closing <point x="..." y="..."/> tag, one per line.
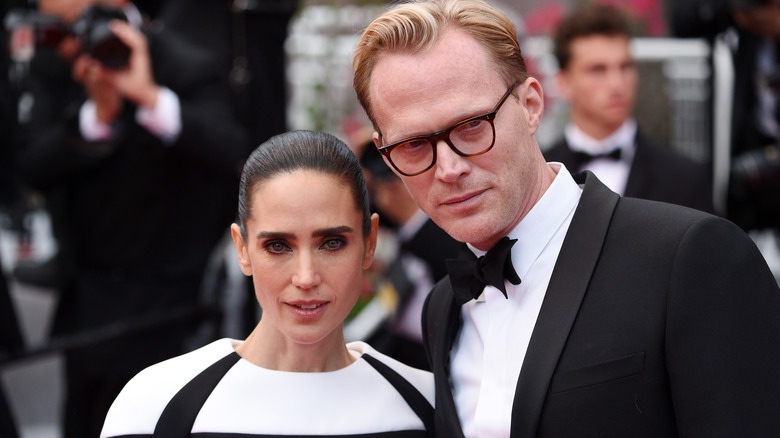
<point x="164" y="120"/>
<point x="488" y="353"/>
<point x="614" y="174"/>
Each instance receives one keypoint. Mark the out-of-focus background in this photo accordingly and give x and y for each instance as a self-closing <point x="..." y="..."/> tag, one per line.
<point x="683" y="102"/>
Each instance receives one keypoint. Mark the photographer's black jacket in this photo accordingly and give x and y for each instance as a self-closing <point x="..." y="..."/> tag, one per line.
<point x="136" y="219"/>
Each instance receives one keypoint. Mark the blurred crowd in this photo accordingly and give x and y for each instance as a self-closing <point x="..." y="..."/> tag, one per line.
<point x="128" y="123"/>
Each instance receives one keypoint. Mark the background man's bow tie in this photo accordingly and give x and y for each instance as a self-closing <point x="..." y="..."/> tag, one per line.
<point x="469" y="275"/>
<point x="582" y="158"/>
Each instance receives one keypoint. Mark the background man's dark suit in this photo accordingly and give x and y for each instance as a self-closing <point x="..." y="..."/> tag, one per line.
<point x="136" y="219"/>
<point x="653" y="345"/>
<point x="657" y="173"/>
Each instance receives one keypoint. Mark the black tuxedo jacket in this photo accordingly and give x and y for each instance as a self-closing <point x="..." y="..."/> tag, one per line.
<point x="659" y="321"/>
<point x="657" y="173"/>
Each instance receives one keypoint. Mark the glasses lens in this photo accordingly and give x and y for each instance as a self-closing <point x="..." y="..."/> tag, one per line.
<point x="473" y="137"/>
<point x="412" y="156"/>
<point x="469" y="138"/>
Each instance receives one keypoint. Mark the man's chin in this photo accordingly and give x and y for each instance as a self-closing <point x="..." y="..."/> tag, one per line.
<point x="467" y="229"/>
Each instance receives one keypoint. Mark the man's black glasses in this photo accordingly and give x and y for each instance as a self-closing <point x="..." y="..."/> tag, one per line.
<point x="473" y="136"/>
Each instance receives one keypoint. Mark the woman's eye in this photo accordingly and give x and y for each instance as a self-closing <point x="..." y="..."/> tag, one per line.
<point x="276" y="247"/>
<point x="333" y="244"/>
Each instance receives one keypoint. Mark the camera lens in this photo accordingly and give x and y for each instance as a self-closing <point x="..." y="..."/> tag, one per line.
<point x="97" y="39"/>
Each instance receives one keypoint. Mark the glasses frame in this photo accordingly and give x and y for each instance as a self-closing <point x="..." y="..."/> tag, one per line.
<point x="444" y="134"/>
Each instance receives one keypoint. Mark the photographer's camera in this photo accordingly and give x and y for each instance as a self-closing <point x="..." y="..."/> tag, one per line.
<point x="91" y="29"/>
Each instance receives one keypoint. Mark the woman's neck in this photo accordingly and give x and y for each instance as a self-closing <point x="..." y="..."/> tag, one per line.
<point x="271" y="350"/>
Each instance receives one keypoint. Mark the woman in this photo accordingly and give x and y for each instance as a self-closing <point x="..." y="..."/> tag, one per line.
<point x="304" y="235"/>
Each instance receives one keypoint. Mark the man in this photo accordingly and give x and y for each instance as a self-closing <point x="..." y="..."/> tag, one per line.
<point x="139" y="162"/>
<point x="620" y="317"/>
<point x="598" y="78"/>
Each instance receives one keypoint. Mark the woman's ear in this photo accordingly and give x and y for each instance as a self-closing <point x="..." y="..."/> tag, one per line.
<point x="368" y="254"/>
<point x="241" y="250"/>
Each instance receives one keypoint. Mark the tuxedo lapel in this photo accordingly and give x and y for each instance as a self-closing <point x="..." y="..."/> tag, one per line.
<point x="443" y="319"/>
<point x="571" y="275"/>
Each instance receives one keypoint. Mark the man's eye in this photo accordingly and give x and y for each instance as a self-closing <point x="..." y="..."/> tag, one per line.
<point x="474" y="124"/>
<point x="471" y="128"/>
<point x="414" y="146"/>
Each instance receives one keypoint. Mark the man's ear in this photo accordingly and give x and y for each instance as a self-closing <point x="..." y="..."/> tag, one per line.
<point x="532" y="97"/>
<point x="241" y="250"/>
<point x="368" y="254"/>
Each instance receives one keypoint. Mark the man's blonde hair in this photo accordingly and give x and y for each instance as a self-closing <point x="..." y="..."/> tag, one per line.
<point x="414" y="27"/>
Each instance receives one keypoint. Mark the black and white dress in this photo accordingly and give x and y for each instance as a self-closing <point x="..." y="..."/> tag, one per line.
<point x="212" y="392"/>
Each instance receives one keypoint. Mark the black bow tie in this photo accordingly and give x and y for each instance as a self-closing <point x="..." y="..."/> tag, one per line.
<point x="469" y="275"/>
<point x="582" y="158"/>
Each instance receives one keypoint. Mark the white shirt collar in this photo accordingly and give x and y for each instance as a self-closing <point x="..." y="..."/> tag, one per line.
<point x="580" y="141"/>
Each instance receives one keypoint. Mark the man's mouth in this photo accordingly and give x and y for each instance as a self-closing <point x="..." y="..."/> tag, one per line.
<point x="461" y="199"/>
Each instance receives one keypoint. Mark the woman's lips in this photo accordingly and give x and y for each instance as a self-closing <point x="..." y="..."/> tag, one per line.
<point x="307" y="309"/>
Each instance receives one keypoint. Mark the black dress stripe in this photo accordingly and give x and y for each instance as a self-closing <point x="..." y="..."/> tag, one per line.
<point x="179" y="415"/>
<point x="416" y="401"/>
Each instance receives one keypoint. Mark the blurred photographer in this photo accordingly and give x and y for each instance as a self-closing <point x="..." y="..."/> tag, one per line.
<point x="751" y="28"/>
<point x="138" y="152"/>
<point x="420" y="260"/>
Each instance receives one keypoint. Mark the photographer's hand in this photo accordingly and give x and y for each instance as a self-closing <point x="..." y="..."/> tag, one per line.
<point x="135" y="82"/>
<point x="99" y="88"/>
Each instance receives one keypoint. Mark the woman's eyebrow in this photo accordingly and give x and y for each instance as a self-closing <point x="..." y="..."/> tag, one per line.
<point x="317" y="233"/>
<point x="274" y="235"/>
<point x="333" y="230"/>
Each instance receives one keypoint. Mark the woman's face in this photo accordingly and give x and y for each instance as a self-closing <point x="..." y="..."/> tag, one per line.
<point x="306" y="252"/>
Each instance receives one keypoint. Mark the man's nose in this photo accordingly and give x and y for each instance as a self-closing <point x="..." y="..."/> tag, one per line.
<point x="449" y="165"/>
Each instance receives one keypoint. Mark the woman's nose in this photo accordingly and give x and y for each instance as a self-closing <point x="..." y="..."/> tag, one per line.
<point x="306" y="275"/>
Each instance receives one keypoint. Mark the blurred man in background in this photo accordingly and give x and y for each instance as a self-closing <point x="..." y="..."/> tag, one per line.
<point x="598" y="78"/>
